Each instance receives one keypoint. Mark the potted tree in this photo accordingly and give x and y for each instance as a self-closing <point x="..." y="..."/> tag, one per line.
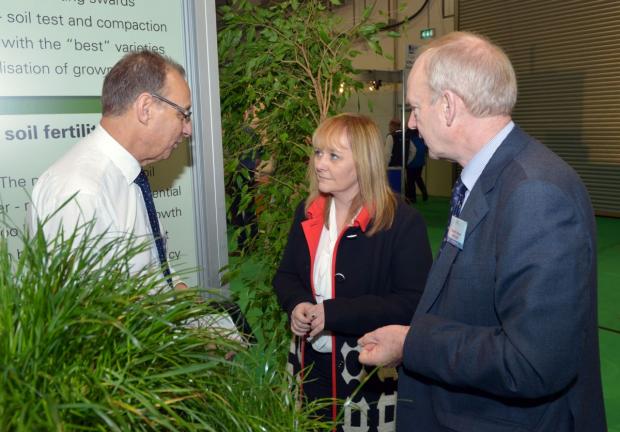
<point x="293" y="61"/>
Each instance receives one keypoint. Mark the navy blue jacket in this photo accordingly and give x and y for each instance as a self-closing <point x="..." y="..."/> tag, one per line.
<point x="505" y="336"/>
<point x="378" y="280"/>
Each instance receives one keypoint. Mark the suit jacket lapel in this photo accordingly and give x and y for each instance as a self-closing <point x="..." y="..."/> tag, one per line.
<point x="473" y="213"/>
<point x="475" y="209"/>
<point x="436" y="278"/>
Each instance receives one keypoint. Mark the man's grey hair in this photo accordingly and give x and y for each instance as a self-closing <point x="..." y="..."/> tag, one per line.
<point x="136" y="73"/>
<point x="475" y="69"/>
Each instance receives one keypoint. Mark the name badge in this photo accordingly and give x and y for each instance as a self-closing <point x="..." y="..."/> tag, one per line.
<point x="456" y="232"/>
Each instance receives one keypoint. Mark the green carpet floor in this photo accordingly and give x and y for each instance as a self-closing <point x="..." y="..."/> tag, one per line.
<point x="435" y="212"/>
<point x="609" y="315"/>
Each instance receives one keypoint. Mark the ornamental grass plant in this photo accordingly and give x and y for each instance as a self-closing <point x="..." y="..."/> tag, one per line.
<point x="86" y="347"/>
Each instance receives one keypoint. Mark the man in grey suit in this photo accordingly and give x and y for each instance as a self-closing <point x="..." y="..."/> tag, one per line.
<point x="505" y="335"/>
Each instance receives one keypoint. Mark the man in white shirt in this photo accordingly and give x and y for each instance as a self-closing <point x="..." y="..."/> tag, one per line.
<point x="146" y="113"/>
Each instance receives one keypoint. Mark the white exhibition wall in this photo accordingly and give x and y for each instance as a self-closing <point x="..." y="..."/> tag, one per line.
<point x="53" y="57"/>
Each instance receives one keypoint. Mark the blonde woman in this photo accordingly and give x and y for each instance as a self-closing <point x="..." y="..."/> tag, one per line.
<point x="357" y="258"/>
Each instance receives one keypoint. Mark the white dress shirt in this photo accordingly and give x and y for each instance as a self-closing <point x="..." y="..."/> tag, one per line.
<point x="101" y="172"/>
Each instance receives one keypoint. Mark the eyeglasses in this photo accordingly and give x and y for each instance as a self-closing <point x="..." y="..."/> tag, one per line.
<point x="187" y="114"/>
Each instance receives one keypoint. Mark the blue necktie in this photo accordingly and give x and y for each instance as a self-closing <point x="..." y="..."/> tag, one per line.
<point x="143" y="182"/>
<point x="456" y="203"/>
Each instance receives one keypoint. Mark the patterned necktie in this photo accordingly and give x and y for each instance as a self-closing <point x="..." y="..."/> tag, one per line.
<point x="456" y="203"/>
<point x="143" y="182"/>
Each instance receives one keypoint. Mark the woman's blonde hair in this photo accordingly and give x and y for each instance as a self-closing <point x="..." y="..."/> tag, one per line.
<point x="364" y="137"/>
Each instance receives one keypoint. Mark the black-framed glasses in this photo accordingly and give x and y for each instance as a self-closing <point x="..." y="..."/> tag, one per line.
<point x="187" y="114"/>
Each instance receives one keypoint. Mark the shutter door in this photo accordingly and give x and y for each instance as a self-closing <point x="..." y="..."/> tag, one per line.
<point x="567" y="59"/>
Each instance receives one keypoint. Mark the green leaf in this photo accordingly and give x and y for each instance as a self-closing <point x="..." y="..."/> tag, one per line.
<point x="375" y="46"/>
<point x="367" y="30"/>
<point x="367" y="12"/>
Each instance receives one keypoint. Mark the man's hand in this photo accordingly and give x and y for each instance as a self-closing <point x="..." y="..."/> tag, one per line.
<point x="384" y="346"/>
<point x="180" y="286"/>
<point x="301" y="318"/>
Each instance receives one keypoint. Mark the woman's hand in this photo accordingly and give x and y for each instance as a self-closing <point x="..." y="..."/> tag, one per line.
<point x="317" y="314"/>
<point x="301" y="318"/>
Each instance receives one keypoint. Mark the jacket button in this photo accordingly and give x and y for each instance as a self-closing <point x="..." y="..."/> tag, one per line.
<point x="340" y="277"/>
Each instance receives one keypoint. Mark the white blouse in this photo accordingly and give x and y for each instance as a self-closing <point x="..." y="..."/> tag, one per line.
<point x="322" y="276"/>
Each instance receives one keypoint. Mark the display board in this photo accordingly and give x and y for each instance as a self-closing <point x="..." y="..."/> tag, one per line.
<point x="53" y="57"/>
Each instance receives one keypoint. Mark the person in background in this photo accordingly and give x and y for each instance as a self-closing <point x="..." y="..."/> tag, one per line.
<point x="505" y="336"/>
<point x="253" y="171"/>
<point x="394" y="156"/>
<point x="146" y="114"/>
<point x="415" y="165"/>
<point x="393" y="145"/>
<point x="356" y="259"/>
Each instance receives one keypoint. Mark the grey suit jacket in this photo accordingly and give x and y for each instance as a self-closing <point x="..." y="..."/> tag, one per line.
<point x="505" y="335"/>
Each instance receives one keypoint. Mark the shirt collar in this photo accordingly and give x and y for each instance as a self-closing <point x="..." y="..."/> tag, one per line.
<point x="472" y="171"/>
<point x="120" y="157"/>
<point x="317" y="210"/>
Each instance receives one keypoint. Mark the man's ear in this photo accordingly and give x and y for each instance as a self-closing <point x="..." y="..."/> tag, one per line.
<point x="448" y="101"/>
<point x="143" y="107"/>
